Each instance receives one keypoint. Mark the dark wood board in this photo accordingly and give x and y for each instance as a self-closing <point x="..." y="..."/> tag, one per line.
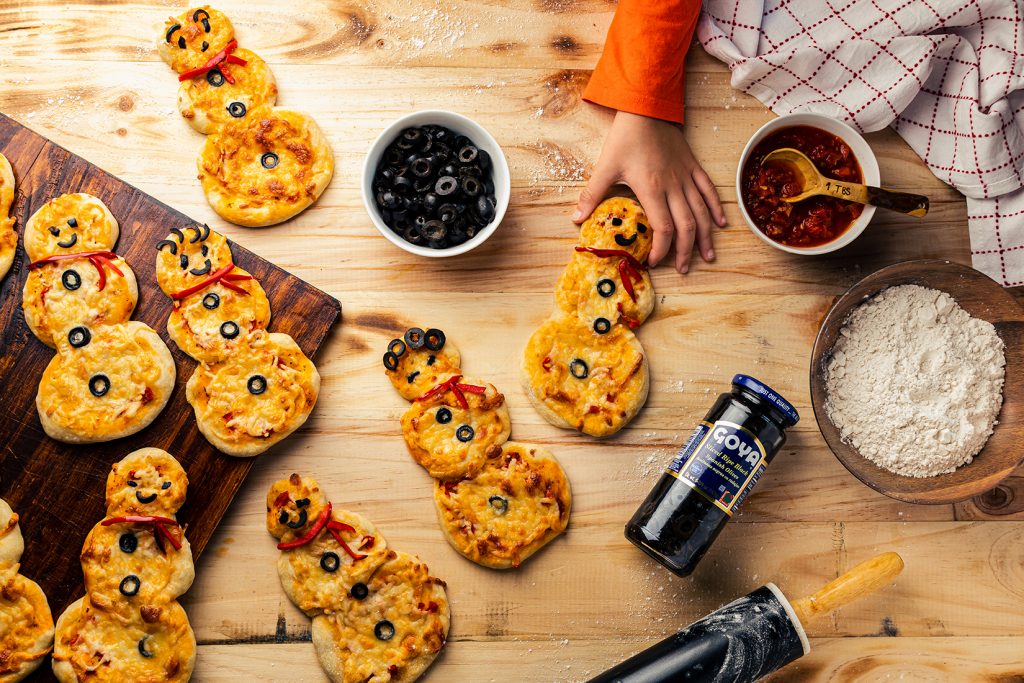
<point x="56" y="488"/>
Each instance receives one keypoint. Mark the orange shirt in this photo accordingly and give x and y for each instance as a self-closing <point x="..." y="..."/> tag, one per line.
<point x="641" y="68"/>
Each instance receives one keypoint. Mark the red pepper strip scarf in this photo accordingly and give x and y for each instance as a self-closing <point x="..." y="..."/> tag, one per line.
<point x="333" y="527"/>
<point x="225" y="57"/>
<point x="629" y="267"/>
<point x="158" y="525"/>
<point x="97" y="258"/>
<point x="460" y="390"/>
<point x="223" y="276"/>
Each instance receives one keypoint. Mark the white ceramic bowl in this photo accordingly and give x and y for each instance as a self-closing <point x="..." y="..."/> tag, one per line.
<point x="463" y="126"/>
<point x="861" y="150"/>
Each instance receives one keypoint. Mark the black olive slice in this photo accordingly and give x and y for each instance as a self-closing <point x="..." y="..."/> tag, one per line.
<point x="602" y="325"/>
<point x="196" y="232"/>
<point x="471" y="186"/>
<point x="300" y="522"/>
<point x="269" y="160"/>
<point x="205" y="270"/>
<point x="142" y="648"/>
<point x="359" y="591"/>
<point x="171" y="30"/>
<point x="72" y="222"/>
<point x="411" y="377"/>
<point x="384" y="630"/>
<point x="166" y="485"/>
<point x="130" y="585"/>
<point x="465" y="433"/>
<point x="641" y="228"/>
<point x="302" y="502"/>
<point x="623" y="241"/>
<point x="145" y="499"/>
<point x="616" y="221"/>
<point x="183" y="261"/>
<point x="99" y="385"/>
<point x="215" y="78"/>
<point x="195" y="15"/>
<point x="128" y="542"/>
<point x="167" y="243"/>
<point x="499" y="503"/>
<point x="330" y="562"/>
<point x="69" y="242"/>
<point x="468" y="154"/>
<point x="229" y="330"/>
<point x="181" y="42"/>
<point x="257" y="384"/>
<point x="578" y="368"/>
<point x="421" y="167"/>
<point x="236" y="109"/>
<point x="205" y="229"/>
<point x="79" y="337"/>
<point x="484" y="208"/>
<point x="443" y="416"/>
<point x="605" y="287"/>
<point x="446" y="185"/>
<point x="397" y="347"/>
<point x="390" y="361"/>
<point x="431" y="359"/>
<point x="434" y="339"/>
<point x="178" y="234"/>
<point x="71" y="280"/>
<point x="204" y="249"/>
<point x="211" y="301"/>
<point x="205" y="46"/>
<point x="54" y="230"/>
<point x="283" y="517"/>
<point x="414" y="338"/>
<point x="411" y="134"/>
<point x="434" y="231"/>
<point x="133" y="484"/>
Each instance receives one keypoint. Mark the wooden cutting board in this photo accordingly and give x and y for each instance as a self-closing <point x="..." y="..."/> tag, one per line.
<point x="56" y="488"/>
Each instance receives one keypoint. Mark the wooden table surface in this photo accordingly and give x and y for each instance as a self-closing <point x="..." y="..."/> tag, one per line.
<point x="89" y="78"/>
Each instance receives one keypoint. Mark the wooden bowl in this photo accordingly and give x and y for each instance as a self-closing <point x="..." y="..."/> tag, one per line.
<point x="983" y="298"/>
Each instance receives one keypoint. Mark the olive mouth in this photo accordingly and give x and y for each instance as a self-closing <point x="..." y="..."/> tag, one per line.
<point x="300" y="522"/>
<point x="624" y="242"/>
<point x="145" y="499"/>
<point x="69" y="242"/>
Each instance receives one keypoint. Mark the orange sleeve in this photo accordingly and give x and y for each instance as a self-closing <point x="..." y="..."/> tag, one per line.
<point x="641" y="68"/>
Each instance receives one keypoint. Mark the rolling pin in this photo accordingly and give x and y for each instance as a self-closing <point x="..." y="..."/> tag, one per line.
<point x="750" y="637"/>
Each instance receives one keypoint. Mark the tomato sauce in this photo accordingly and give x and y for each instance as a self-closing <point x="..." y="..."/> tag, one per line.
<point x="813" y="221"/>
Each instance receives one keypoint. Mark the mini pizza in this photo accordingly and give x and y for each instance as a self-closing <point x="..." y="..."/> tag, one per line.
<point x="136" y="562"/>
<point x="453" y="429"/>
<point x="326" y="554"/>
<point x="579" y="379"/>
<point x="105" y="383"/>
<point x="227" y="92"/>
<point x="257" y="396"/>
<point x="266" y="167"/>
<point x="8" y="237"/>
<point x="84" y="290"/>
<point x="188" y="258"/>
<point x="420" y="361"/>
<point x="517" y="504"/>
<point x="194" y="39"/>
<point x="391" y="631"/>
<point x="26" y="624"/>
<point x="70" y="224"/>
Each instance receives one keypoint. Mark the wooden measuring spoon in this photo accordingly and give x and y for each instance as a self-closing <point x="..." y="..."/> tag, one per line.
<point x="812" y="183"/>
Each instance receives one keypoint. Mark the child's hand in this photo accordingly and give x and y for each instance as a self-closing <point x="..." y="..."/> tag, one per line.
<point x="651" y="157"/>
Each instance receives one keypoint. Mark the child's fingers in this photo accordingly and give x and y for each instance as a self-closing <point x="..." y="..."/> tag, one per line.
<point x="593" y="193"/>
<point x="710" y="194"/>
<point x="686" y="230"/>
<point x="702" y="217"/>
<point x="660" y="218"/>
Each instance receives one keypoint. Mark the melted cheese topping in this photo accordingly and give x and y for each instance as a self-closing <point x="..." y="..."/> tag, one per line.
<point x="225" y="406"/>
<point x="435" y="445"/>
<point x="206" y="106"/>
<point x="140" y="371"/>
<point x="514" y="506"/>
<point x="242" y="190"/>
<point x="8" y="238"/>
<point x="402" y="592"/>
<point x="578" y="292"/>
<point x="420" y="370"/>
<point x="173" y="274"/>
<point x="26" y="625"/>
<point x="600" y="230"/>
<point x="195" y="36"/>
<point x="93" y="645"/>
<point x="315" y="590"/>
<point x="96" y="229"/>
<point x="51" y="308"/>
<point x="196" y="329"/>
<point x="615" y="385"/>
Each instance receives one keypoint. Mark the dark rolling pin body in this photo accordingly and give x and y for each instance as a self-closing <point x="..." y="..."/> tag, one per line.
<point x="743" y="641"/>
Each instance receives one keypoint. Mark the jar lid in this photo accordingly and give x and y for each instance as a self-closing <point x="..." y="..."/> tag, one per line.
<point x="764" y="391"/>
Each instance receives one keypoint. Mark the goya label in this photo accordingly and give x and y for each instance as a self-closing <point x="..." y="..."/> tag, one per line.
<point x="721" y="460"/>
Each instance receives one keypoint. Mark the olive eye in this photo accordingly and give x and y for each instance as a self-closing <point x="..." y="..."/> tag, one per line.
<point x="170" y="31"/>
<point x="641" y="228"/>
<point x="166" y="485"/>
<point x="183" y="261"/>
<point x="616" y="221"/>
<point x="236" y="109"/>
<point x="133" y="484"/>
<point x="283" y="517"/>
<point x="181" y="42"/>
<point x="72" y="222"/>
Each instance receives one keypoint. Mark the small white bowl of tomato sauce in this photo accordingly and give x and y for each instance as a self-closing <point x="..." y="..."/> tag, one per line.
<point x="816" y="225"/>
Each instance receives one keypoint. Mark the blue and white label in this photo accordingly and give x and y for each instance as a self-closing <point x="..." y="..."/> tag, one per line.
<point x="721" y="460"/>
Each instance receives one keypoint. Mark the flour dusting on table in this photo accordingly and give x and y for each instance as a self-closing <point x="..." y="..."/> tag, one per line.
<point x="914" y="382"/>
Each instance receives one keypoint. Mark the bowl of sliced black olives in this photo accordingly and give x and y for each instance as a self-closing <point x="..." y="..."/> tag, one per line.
<point x="435" y="183"/>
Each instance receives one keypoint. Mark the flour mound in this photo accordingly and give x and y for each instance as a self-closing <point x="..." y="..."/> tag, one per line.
<point x="915" y="383"/>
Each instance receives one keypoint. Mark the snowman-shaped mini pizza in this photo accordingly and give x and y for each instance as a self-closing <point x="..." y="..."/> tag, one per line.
<point x="377" y="614"/>
<point x="584" y="368"/>
<point x="136" y="562"/>
<point x="8" y="237"/>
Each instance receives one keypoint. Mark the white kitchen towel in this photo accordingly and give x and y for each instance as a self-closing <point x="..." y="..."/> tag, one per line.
<point x="945" y="74"/>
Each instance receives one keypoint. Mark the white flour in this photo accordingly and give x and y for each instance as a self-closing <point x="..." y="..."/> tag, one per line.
<point x="914" y="382"/>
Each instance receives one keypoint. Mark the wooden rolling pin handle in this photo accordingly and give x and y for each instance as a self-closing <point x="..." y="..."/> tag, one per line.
<point x="911" y="204"/>
<point x="865" y="578"/>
